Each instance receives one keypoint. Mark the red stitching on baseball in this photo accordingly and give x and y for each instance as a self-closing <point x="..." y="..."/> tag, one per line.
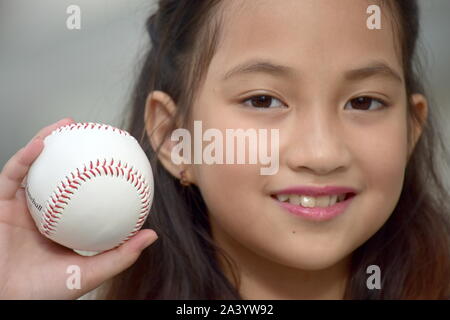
<point x="91" y="125"/>
<point x="51" y="217"/>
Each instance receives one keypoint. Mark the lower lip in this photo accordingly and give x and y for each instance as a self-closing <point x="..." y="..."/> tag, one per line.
<point x="317" y="213"/>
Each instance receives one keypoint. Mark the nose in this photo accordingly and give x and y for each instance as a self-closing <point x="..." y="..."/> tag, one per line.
<point x="317" y="141"/>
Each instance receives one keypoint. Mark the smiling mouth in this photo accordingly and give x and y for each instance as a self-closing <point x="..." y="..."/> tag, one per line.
<point x="316" y="209"/>
<point x="313" y="201"/>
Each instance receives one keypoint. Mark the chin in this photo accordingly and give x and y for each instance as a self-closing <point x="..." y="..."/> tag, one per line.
<point x="312" y="261"/>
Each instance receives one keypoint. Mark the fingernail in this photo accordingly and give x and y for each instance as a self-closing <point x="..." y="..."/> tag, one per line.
<point x="149" y="241"/>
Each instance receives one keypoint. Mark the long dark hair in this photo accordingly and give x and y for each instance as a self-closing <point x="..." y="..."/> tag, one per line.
<point x="412" y="248"/>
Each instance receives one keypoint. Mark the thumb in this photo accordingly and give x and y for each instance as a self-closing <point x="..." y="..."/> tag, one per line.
<point x="106" y="265"/>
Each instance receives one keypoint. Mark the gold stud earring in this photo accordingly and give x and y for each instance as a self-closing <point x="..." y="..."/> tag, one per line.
<point x="183" y="180"/>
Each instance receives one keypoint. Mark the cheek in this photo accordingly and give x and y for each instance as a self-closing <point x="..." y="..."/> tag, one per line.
<point x="382" y="161"/>
<point x="235" y="201"/>
<point x="229" y="189"/>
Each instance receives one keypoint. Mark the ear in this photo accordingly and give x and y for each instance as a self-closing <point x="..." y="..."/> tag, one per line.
<point x="159" y="111"/>
<point x="420" y="104"/>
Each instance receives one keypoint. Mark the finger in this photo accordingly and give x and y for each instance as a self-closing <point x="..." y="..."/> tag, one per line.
<point x="17" y="167"/>
<point x="110" y="263"/>
<point x="15" y="170"/>
<point x="45" y="132"/>
<point x="49" y="129"/>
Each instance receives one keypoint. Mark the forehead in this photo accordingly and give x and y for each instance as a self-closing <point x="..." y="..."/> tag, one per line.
<point x="319" y="34"/>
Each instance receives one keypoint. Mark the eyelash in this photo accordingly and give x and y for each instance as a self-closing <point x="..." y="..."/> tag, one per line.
<point x="383" y="103"/>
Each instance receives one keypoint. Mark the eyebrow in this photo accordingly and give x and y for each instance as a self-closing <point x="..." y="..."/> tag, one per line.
<point x="260" y="66"/>
<point x="376" y="68"/>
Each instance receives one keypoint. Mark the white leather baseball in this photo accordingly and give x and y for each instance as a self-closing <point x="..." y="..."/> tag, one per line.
<point x="91" y="188"/>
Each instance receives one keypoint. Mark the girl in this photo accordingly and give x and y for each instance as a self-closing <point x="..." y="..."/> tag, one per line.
<point x="351" y="112"/>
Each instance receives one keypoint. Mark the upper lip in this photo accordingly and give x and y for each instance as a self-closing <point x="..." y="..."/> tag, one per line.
<point x="316" y="191"/>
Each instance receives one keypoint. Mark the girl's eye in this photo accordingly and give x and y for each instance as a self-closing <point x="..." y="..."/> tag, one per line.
<point x="364" y="103"/>
<point x="263" y="102"/>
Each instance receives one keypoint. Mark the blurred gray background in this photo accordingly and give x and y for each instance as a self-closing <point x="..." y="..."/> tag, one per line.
<point x="48" y="72"/>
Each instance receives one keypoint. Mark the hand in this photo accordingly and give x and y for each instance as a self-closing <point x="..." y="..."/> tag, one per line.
<point x="31" y="265"/>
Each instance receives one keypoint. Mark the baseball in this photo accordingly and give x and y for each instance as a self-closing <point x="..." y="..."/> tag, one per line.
<point x="91" y="188"/>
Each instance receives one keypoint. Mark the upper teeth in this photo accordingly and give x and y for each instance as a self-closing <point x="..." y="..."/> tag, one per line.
<point x="308" y="201"/>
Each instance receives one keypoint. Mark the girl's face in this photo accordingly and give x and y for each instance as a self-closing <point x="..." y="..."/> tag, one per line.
<point x="327" y="137"/>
